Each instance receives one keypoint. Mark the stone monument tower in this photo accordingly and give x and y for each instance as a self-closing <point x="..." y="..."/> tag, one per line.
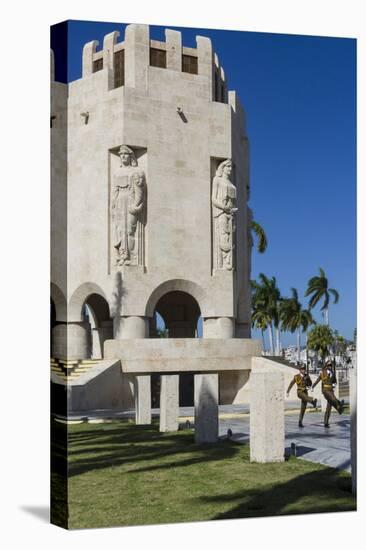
<point x="150" y="184"/>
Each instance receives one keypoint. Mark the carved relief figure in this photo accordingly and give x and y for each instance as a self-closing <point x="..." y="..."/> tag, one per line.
<point x="223" y="211"/>
<point x="128" y="210"/>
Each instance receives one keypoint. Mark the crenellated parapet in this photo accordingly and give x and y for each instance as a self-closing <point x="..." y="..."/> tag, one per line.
<point x="128" y="60"/>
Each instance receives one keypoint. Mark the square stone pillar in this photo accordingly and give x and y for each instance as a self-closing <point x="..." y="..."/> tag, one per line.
<point x="88" y="51"/>
<point x="267" y="423"/>
<point x="109" y="42"/>
<point x="169" y="402"/>
<point x="142" y="391"/>
<point x="206" y="64"/>
<point x="206" y="407"/>
<point x="173" y="40"/>
<point x="137" y="56"/>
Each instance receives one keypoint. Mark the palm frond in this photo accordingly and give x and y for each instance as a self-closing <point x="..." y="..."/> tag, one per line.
<point x="335" y="294"/>
<point x="261" y="237"/>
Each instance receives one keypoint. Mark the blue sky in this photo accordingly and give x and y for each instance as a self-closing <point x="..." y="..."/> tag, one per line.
<point x="299" y="95"/>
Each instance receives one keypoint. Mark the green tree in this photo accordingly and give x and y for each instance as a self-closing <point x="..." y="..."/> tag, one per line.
<point x="339" y="346"/>
<point x="320" y="340"/>
<point x="318" y="290"/>
<point x="260" y="320"/>
<point x="294" y="318"/>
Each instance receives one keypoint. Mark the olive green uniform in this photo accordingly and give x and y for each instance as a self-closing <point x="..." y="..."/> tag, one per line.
<point x="302" y="382"/>
<point x="326" y="377"/>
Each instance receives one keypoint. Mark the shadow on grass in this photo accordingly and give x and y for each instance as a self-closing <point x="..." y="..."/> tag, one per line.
<point x="273" y="500"/>
<point x="107" y="446"/>
<point x="59" y="497"/>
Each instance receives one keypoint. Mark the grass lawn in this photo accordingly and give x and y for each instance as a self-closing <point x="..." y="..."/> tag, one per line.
<point x="123" y="474"/>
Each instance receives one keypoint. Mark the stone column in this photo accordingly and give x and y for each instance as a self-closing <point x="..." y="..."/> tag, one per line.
<point x="353" y="407"/>
<point x="173" y="40"/>
<point x="206" y="407"/>
<point x="108" y="49"/>
<point x="218" y="327"/>
<point x="142" y="394"/>
<point x="99" y="336"/>
<point x="88" y="52"/>
<point x="135" y="327"/>
<point x="137" y="56"/>
<point x="71" y="340"/>
<point x="267" y="425"/>
<point x="206" y="64"/>
<point x="169" y="402"/>
<point x="108" y="52"/>
<point x="125" y="327"/>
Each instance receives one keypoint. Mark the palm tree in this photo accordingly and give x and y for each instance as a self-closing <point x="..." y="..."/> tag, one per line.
<point x="260" y="316"/>
<point x="320" y="340"/>
<point x="294" y="318"/>
<point x="260" y="320"/>
<point x="318" y="290"/>
<point x="266" y="299"/>
<point x="261" y="237"/>
<point x="273" y="304"/>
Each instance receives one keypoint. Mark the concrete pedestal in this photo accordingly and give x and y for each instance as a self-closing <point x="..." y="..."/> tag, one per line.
<point x="169" y="402"/>
<point x="267" y="425"/>
<point x="206" y="409"/>
<point x="142" y="393"/>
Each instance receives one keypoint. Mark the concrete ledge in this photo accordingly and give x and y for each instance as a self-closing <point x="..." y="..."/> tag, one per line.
<point x="182" y="354"/>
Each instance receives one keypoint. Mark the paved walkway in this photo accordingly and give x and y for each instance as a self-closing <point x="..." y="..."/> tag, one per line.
<point x="328" y="446"/>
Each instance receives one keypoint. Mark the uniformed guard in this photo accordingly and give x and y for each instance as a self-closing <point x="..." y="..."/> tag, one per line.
<point x="303" y="382"/>
<point x="328" y="380"/>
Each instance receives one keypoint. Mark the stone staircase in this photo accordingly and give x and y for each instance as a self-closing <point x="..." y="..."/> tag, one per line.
<point x="69" y="370"/>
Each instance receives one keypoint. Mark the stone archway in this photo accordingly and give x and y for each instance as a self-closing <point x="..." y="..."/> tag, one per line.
<point x="182" y="285"/>
<point x="180" y="312"/>
<point x="96" y="315"/>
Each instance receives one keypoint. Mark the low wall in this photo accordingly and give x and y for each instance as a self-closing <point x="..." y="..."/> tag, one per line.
<point x="102" y="387"/>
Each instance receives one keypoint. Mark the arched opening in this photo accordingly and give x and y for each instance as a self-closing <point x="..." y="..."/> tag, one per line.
<point x="98" y="322"/>
<point x="176" y="315"/>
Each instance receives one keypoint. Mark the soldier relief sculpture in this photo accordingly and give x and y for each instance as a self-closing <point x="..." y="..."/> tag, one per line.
<point x="223" y="212"/>
<point x="128" y="209"/>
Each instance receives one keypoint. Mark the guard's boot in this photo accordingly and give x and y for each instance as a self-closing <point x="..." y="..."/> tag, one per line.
<point x="314" y="403"/>
<point x="301" y="425"/>
<point x="341" y="407"/>
<point x="326" y="426"/>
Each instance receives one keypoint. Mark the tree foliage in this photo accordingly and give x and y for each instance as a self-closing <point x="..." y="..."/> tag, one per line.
<point x="318" y="290"/>
<point x="320" y="340"/>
